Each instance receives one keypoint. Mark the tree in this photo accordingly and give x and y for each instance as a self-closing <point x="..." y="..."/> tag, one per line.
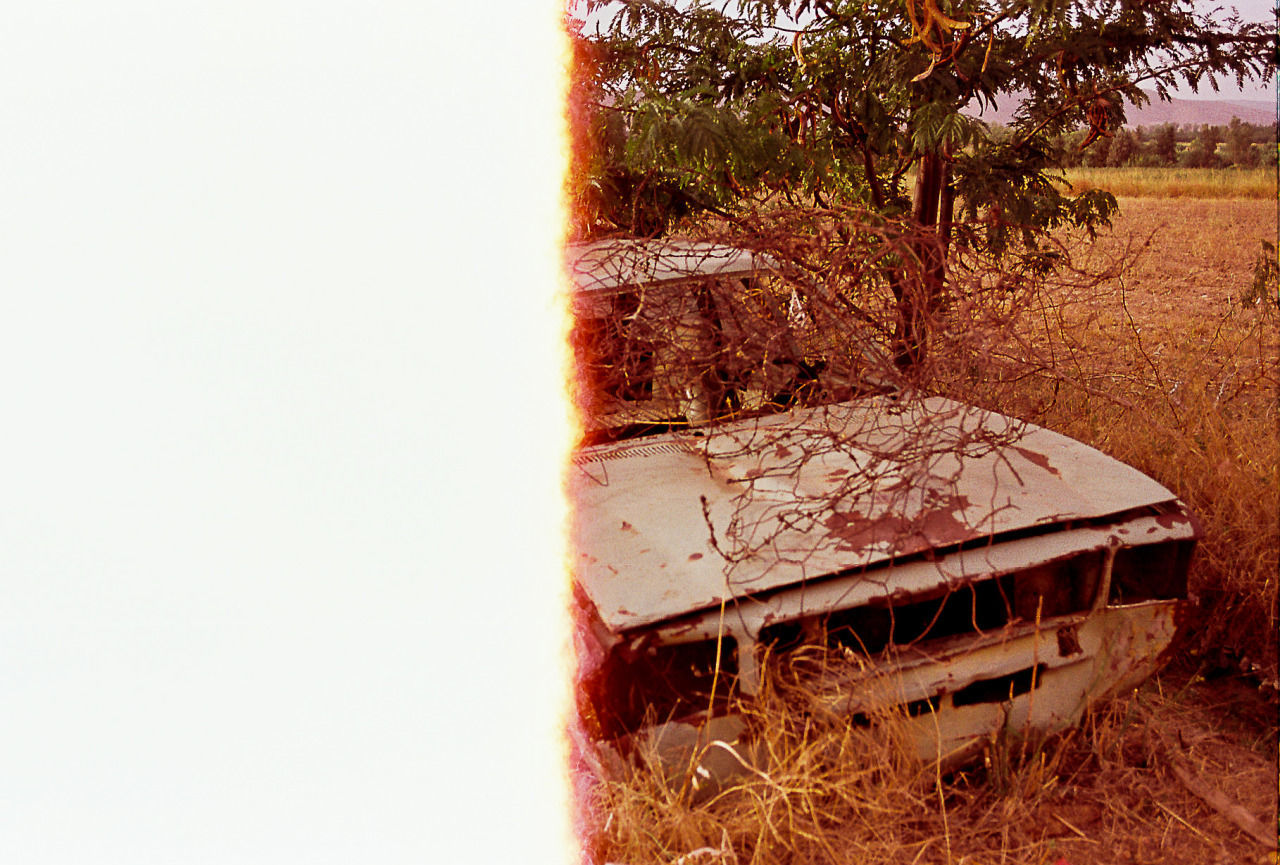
<point x="1203" y="152"/>
<point x="1123" y="147"/>
<point x="1098" y="154"/>
<point x="686" y="108"/>
<point x="1166" y="143"/>
<point x="1239" y="136"/>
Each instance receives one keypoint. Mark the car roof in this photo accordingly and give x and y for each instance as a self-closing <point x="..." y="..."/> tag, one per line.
<point x="605" y="265"/>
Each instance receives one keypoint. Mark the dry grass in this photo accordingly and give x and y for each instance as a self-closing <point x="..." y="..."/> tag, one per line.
<point x="1167" y="370"/>
<point x="829" y="791"/>
<point x="1178" y="182"/>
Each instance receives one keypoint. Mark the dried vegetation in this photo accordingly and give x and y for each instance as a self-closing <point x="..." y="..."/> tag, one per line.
<point x="1143" y="348"/>
<point x="1166" y="368"/>
<point x="1149" y="778"/>
<point x="1178" y="182"/>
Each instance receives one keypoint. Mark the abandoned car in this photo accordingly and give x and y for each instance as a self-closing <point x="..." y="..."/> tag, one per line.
<point x="751" y="484"/>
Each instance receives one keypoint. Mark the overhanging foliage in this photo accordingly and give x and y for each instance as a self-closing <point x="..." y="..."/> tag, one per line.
<point x="689" y="107"/>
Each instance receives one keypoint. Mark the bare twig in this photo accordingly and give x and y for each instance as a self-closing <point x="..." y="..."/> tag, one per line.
<point x="1221" y="803"/>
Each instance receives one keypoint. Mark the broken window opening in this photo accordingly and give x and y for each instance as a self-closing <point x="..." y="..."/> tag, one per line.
<point x="1154" y="572"/>
<point x="1058" y="588"/>
<point x="695" y="351"/>
<point x="639" y="685"/>
<point x="613" y="358"/>
<point x="923" y="706"/>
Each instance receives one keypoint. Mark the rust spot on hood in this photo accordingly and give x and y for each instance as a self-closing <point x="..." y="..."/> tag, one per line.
<point x="856" y="531"/>
<point x="940" y="525"/>
<point x="1039" y="459"/>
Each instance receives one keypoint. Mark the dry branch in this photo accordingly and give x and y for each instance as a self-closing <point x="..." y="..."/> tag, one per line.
<point x="1223" y="804"/>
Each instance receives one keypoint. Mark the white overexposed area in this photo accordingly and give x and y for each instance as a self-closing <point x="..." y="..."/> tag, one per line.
<point x="280" y="521"/>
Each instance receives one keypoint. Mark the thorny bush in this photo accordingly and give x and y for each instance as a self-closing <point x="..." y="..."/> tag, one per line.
<point x="1024" y="334"/>
<point x="837" y="314"/>
<point x="1043" y="335"/>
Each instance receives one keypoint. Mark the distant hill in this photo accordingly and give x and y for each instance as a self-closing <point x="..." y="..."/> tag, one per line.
<point x="1179" y="111"/>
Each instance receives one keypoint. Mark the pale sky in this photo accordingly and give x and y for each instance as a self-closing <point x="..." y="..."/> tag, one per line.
<point x="1250" y="10"/>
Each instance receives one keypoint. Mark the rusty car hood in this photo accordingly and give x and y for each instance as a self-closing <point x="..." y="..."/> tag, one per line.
<point x="677" y="523"/>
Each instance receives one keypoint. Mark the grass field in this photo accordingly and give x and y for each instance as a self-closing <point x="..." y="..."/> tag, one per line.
<point x="1178" y="182"/>
<point x="1180" y="380"/>
<point x="1164" y="367"/>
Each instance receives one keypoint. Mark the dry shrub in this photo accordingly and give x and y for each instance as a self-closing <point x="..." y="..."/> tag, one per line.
<point x="1185" y="392"/>
<point x="1109" y="346"/>
<point x="850" y="299"/>
<point x="1136" y="342"/>
<point x="1150" y="777"/>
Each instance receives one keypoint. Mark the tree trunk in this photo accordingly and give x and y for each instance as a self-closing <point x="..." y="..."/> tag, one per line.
<point x="917" y="284"/>
<point x="946" y="213"/>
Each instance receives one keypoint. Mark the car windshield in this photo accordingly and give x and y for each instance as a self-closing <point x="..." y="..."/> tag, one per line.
<point x="679" y="334"/>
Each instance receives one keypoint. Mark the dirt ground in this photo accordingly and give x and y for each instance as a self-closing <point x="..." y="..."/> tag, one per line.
<point x="1199" y="252"/>
<point x="1183" y="770"/>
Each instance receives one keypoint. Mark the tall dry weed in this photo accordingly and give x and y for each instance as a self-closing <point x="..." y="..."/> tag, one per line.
<point x="1181" y="385"/>
<point x="1149" y="777"/>
<point x="827" y="788"/>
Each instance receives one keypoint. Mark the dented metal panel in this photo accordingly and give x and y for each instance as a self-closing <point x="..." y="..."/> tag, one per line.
<point x="645" y="550"/>
<point x="1112" y="646"/>
<point x="921" y="577"/>
<point x="953" y="698"/>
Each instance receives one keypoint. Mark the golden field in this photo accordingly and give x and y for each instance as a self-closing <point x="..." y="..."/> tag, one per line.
<point x="1177" y="182"/>
<point x="1177" y="377"/>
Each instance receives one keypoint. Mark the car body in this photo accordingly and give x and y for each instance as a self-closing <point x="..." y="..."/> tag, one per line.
<point x="738" y="497"/>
